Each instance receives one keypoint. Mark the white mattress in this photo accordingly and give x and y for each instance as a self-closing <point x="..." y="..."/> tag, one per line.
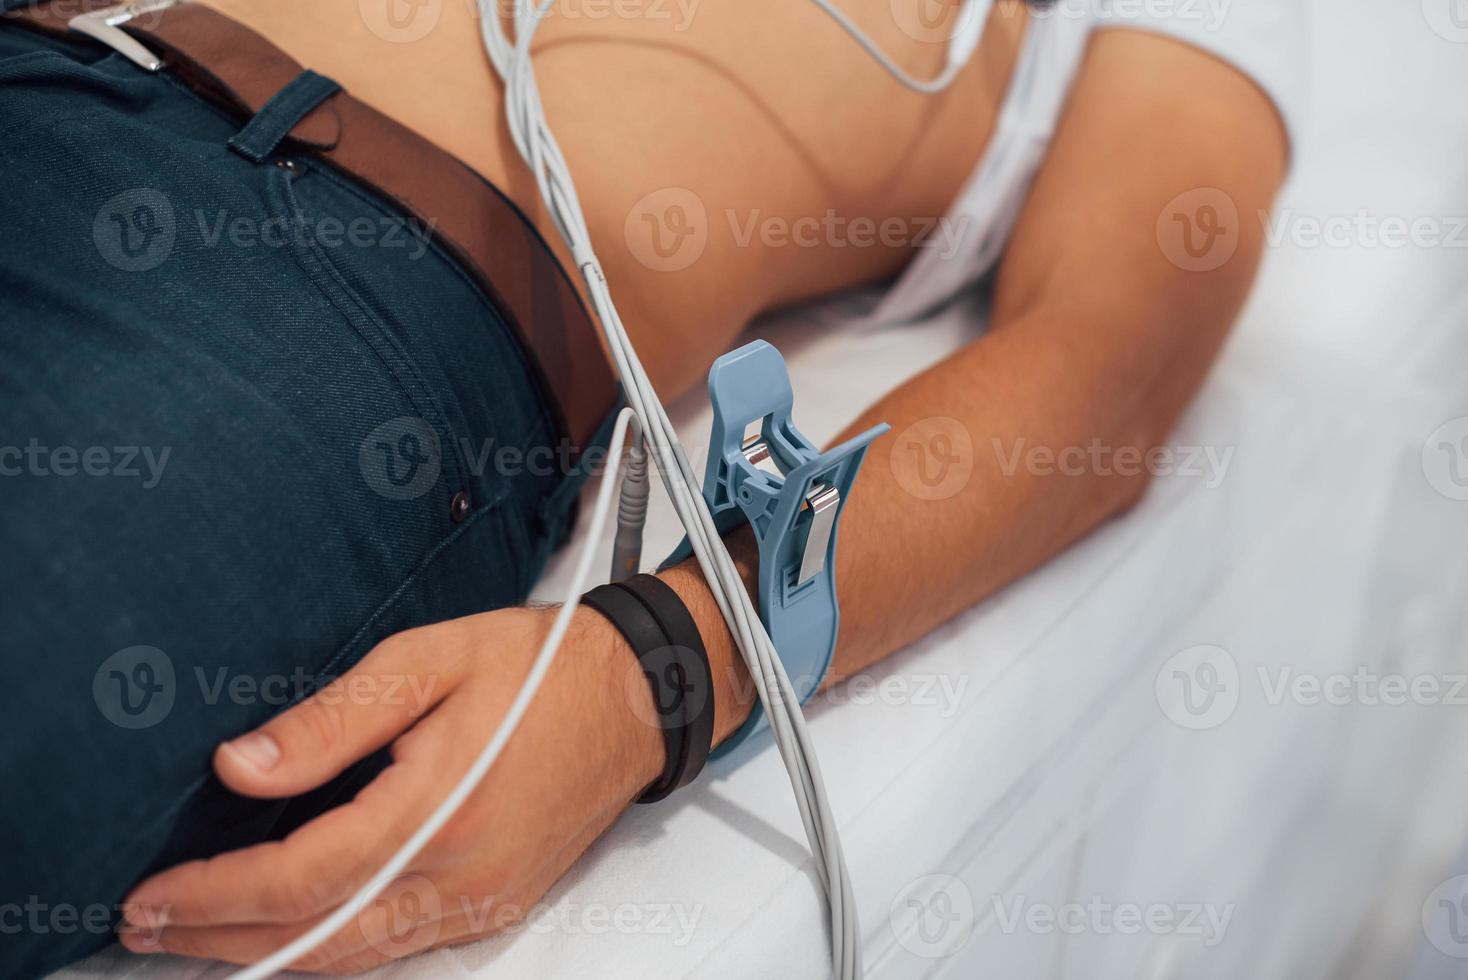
<point x="1056" y="777"/>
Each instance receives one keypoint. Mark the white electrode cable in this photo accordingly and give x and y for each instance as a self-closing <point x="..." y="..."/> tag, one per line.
<point x="961" y="45"/>
<point x="528" y="126"/>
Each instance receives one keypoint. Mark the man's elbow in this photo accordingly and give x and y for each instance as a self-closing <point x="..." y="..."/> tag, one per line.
<point x="1136" y="461"/>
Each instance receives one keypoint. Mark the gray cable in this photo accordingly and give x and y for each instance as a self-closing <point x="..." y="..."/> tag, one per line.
<point x="631" y="510"/>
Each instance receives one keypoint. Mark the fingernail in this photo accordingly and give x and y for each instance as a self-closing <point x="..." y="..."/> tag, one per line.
<point x="258" y="749"/>
<point x="136" y="940"/>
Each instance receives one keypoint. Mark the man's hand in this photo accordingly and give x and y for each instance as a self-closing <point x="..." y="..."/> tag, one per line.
<point x="587" y="746"/>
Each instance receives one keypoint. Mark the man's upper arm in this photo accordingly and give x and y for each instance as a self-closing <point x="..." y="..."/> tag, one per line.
<point x="1148" y="205"/>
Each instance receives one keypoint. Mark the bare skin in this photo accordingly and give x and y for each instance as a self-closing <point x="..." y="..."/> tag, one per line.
<point x="709" y="108"/>
<point x="1095" y="335"/>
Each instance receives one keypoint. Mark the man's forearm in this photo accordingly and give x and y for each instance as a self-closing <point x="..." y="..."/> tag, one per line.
<point x="945" y="510"/>
<point x="1098" y="342"/>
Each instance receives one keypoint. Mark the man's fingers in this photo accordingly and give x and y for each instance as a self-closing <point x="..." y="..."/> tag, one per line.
<point x="313" y="870"/>
<point x="411" y="915"/>
<point x="354" y="715"/>
<point x="415" y="913"/>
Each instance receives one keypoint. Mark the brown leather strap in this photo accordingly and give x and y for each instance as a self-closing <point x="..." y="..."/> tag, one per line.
<point x="232" y="65"/>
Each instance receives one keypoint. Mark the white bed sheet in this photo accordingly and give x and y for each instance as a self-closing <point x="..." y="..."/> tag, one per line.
<point x="1056" y="777"/>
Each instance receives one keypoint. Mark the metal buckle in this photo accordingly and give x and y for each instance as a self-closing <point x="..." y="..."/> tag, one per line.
<point x="106" y="26"/>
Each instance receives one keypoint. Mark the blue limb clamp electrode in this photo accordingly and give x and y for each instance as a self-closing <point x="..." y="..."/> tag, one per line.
<point x="761" y="470"/>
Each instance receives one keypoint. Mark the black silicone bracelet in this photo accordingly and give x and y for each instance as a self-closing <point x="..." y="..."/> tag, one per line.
<point x="696" y="683"/>
<point x="670" y="670"/>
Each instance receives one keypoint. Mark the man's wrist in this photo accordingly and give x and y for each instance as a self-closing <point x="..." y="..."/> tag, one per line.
<point x="634" y="736"/>
<point x="734" y="694"/>
<point x="635" y="730"/>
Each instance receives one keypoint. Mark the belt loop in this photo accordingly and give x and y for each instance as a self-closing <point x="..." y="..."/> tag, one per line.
<point x="281" y="114"/>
